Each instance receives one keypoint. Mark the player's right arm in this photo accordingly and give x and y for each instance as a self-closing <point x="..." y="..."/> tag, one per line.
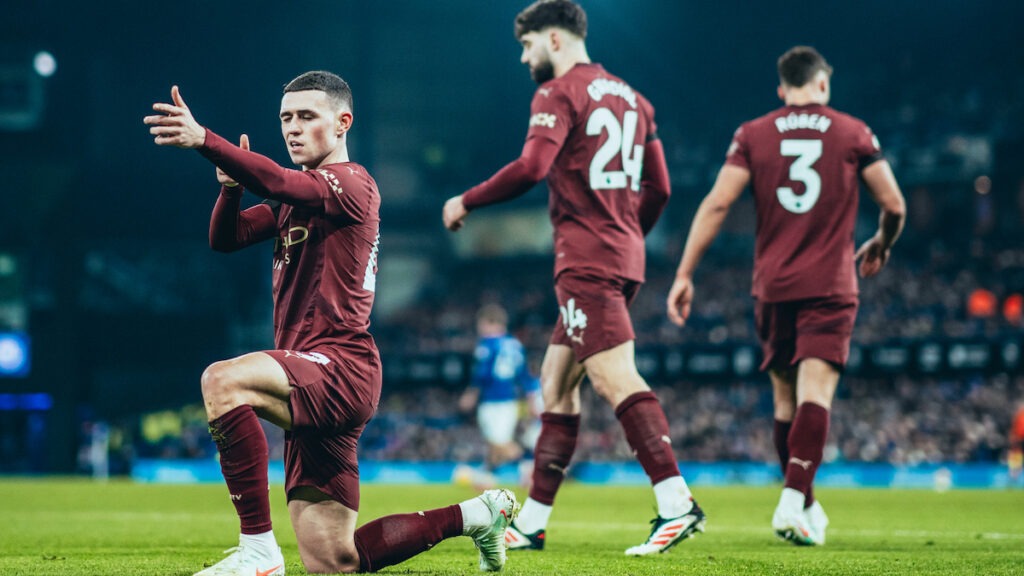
<point x="549" y="126"/>
<point x="884" y="190"/>
<point x="512" y="181"/>
<point x="231" y="229"/>
<point x="706" y="224"/>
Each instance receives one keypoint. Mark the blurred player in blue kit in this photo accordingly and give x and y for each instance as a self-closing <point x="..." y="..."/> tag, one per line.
<point x="500" y="378"/>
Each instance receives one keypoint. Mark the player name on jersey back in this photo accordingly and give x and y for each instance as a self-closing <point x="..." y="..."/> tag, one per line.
<point x="803" y="121"/>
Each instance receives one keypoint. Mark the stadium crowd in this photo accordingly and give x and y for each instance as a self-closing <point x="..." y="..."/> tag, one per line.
<point x="958" y="273"/>
<point x="899" y="420"/>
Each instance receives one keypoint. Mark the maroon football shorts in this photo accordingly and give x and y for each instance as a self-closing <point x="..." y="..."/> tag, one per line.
<point x="812" y="328"/>
<point x="593" y="312"/>
<point x="334" y="394"/>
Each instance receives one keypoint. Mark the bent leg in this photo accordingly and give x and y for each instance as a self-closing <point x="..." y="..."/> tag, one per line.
<point x="254" y="379"/>
<point x="329" y="543"/>
<point x="233" y="391"/>
<point x="324" y="531"/>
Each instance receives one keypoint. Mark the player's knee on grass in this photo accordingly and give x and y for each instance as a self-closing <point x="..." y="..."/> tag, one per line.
<point x="323" y="562"/>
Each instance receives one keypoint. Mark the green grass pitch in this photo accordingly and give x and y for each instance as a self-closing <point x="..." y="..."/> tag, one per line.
<point x="76" y="527"/>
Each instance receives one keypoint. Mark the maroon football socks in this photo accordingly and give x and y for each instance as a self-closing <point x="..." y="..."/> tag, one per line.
<point x="780" y="435"/>
<point x="646" y="428"/>
<point x="554" y="450"/>
<point x="243" y="461"/>
<point x="806" y="447"/>
<point x="392" y="539"/>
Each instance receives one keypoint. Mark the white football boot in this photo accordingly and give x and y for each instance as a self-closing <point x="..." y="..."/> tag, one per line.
<point x="667" y="532"/>
<point x="247" y="561"/>
<point x="789" y="521"/>
<point x="817" y="521"/>
<point x="490" y="539"/>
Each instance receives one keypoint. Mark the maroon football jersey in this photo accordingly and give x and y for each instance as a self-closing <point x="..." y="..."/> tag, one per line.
<point x="326" y="242"/>
<point x="804" y="164"/>
<point x="602" y="125"/>
<point x="325" y="262"/>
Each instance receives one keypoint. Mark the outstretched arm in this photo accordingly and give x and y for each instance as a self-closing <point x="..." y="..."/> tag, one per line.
<point x="655" y="186"/>
<point x="175" y="126"/>
<point x="886" y="193"/>
<point x="512" y="181"/>
<point x="706" y="223"/>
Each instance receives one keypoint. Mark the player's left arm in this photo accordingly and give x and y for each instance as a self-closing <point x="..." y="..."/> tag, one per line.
<point x="655" y="185"/>
<point x="707" y="222"/>
<point x="881" y="184"/>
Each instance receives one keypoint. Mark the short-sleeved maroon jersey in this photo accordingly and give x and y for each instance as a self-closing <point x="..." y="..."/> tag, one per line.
<point x="804" y="164"/>
<point x="325" y="262"/>
<point x="602" y="125"/>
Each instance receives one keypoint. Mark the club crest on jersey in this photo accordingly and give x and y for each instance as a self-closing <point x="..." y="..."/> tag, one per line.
<point x="543" y="119"/>
<point x="574" y="320"/>
<point x="314" y="357"/>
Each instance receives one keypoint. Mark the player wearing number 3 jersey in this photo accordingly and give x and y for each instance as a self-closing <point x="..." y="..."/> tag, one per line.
<point x="802" y="163"/>
<point x="595" y="140"/>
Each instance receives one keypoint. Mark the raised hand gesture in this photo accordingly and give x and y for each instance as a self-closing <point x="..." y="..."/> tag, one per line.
<point x="175" y="126"/>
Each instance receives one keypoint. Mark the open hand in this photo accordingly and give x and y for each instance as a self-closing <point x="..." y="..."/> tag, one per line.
<point x="175" y="126"/>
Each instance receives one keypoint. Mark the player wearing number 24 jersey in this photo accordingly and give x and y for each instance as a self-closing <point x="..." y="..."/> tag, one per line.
<point x="803" y="163"/>
<point x="594" y="138"/>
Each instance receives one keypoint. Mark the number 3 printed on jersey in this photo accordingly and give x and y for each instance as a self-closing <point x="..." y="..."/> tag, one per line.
<point x="620" y="141"/>
<point x="806" y="152"/>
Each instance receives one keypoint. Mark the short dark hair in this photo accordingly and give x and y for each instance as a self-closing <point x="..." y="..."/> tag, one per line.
<point x="544" y="14"/>
<point x="337" y="90"/>
<point x="800" y="64"/>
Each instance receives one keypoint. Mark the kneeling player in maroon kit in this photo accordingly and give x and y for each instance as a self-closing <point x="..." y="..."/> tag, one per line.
<point x="802" y="162"/>
<point x="595" y="140"/>
<point x="322" y="382"/>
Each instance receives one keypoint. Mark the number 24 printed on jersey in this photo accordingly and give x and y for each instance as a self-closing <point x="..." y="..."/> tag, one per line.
<point x="620" y="141"/>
